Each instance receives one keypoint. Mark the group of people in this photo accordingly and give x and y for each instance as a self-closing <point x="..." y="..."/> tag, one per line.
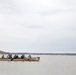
<point x="9" y="56"/>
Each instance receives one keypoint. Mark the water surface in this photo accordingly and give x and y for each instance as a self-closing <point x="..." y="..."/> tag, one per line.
<point x="48" y="65"/>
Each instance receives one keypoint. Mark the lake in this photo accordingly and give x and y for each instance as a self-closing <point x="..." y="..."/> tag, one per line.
<point x="48" y="65"/>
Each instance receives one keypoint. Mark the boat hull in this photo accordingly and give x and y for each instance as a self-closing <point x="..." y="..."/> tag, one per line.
<point x="19" y="59"/>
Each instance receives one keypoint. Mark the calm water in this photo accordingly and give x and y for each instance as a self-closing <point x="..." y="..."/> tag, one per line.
<point x="48" y="65"/>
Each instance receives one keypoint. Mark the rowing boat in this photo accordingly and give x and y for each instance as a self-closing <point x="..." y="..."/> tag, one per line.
<point x="19" y="59"/>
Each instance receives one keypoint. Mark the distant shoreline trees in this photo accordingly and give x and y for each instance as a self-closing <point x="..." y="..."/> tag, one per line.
<point x="2" y="52"/>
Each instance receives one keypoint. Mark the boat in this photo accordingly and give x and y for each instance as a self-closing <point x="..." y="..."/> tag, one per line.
<point x="32" y="59"/>
<point x="19" y="59"/>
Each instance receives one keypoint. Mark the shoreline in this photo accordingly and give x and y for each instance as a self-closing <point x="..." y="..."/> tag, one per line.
<point x="43" y="53"/>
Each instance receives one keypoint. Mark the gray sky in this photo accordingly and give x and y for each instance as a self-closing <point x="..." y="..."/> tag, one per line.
<point x="38" y="25"/>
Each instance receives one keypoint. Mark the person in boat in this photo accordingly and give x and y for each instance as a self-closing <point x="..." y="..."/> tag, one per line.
<point x="9" y="56"/>
<point x="29" y="56"/>
<point x="16" y="56"/>
<point x="2" y="56"/>
<point x="23" y="56"/>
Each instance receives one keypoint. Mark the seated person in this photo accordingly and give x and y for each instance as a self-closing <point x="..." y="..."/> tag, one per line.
<point x="29" y="56"/>
<point x="23" y="56"/>
<point x="16" y="56"/>
<point x="2" y="56"/>
<point x="9" y="56"/>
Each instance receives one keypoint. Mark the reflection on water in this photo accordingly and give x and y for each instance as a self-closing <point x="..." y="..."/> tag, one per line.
<point x="48" y="65"/>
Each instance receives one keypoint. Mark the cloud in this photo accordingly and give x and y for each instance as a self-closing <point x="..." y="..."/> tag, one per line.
<point x="38" y="26"/>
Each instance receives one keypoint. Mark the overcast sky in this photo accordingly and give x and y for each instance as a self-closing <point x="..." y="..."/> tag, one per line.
<point x="38" y="25"/>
